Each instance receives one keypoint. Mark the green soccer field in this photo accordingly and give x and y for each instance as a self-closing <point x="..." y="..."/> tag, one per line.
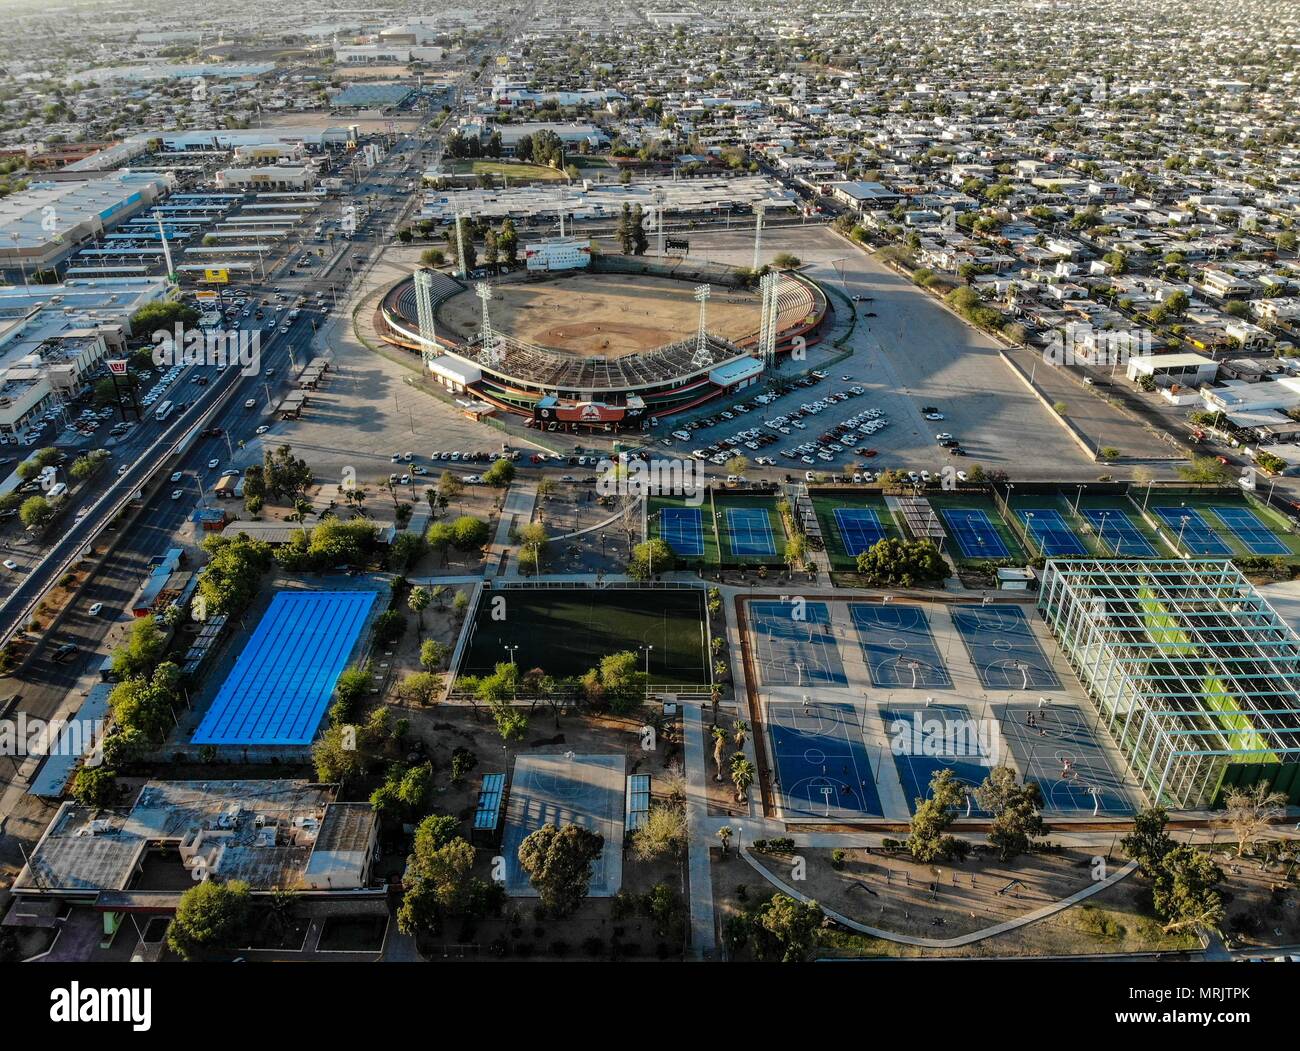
<point x="566" y="631"/>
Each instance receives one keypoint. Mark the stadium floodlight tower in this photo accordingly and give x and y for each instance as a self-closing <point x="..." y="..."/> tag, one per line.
<point x="424" y="314"/>
<point x="490" y="352"/>
<point x="767" y="323"/>
<point x="759" y="209"/>
<point x="660" y="198"/>
<point x="460" y="247"/>
<point x="167" y="251"/>
<point x="702" y="355"/>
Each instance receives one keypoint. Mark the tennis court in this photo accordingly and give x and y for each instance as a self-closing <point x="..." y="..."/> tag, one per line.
<point x="975" y="533"/>
<point x="1055" y="746"/>
<point x="1257" y="538"/>
<point x="682" y="529"/>
<point x="898" y="646"/>
<point x="794" y="644"/>
<point x="1052" y="534"/>
<point x="1197" y="534"/>
<point x="822" y="770"/>
<point x="750" y="532"/>
<point x="1003" y="648"/>
<point x="281" y="684"/>
<point x="924" y="741"/>
<point x="860" y="528"/>
<point x="1116" y="532"/>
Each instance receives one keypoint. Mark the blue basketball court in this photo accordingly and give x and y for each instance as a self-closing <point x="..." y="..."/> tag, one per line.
<point x="898" y="646"/>
<point x="1052" y="534"/>
<point x="1116" y="531"/>
<point x="750" y="531"/>
<point x="924" y="741"/>
<point x="859" y="527"/>
<point x="974" y="532"/>
<point x="794" y="644"/>
<point x="1253" y="533"/>
<point x="1003" y="648"/>
<point x="281" y="684"/>
<point x="1197" y="535"/>
<point x="822" y="770"/>
<point x="1055" y="746"/>
<point x="681" y="528"/>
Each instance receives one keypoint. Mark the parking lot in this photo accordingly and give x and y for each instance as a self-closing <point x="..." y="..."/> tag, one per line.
<point x="910" y="356"/>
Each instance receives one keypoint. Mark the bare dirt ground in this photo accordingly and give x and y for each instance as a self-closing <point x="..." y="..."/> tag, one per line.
<point x="605" y="315"/>
<point x="941" y="902"/>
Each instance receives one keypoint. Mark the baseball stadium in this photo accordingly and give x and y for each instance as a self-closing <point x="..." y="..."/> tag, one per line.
<point x="610" y="345"/>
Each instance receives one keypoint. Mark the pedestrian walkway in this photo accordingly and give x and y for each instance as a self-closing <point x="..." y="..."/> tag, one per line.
<point x="699" y="835"/>
<point x="516" y="512"/>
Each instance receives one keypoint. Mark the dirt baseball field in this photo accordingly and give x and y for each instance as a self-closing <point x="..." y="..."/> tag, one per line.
<point x="605" y="315"/>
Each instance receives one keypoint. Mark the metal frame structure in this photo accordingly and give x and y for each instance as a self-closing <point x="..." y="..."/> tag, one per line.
<point x="1190" y="667"/>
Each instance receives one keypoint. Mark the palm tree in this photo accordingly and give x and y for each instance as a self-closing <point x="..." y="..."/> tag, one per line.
<point x="741" y="732"/>
<point x="719" y="743"/>
<point x="439" y="595"/>
<point x="742" y="775"/>
<point x="724" y="834"/>
<point x="418" y="601"/>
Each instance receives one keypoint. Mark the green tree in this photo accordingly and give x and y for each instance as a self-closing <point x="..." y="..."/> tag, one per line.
<point x="1205" y="469"/>
<point x="441" y="538"/>
<point x="1014" y="808"/>
<point x="1149" y="843"/>
<point x="558" y="862"/>
<point x="1185" y="891"/>
<point x="35" y="512"/>
<point x="141" y="651"/>
<point x="893" y="562"/>
<point x="786" y="929"/>
<point x="433" y="653"/>
<point x="500" y="474"/>
<point x="469" y="533"/>
<point x="95" y="786"/>
<point x="209" y="916"/>
<point x="742" y="775"/>
<point x="650" y="557"/>
<point x="930" y="840"/>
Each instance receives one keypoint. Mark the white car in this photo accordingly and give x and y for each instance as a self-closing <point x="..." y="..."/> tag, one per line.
<point x="9" y="563"/>
<point x="934" y="416"/>
<point x="124" y="468"/>
<point x="95" y="609"/>
<point x="262" y="429"/>
<point x="177" y="493"/>
<point x="176" y="476"/>
<point x="213" y="464"/>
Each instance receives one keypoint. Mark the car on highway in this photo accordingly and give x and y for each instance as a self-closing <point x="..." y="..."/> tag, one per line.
<point x="124" y="468"/>
<point x="176" y="476"/>
<point x="262" y="429"/>
<point x="250" y="403"/>
<point x="177" y="493"/>
<point x="94" y="610"/>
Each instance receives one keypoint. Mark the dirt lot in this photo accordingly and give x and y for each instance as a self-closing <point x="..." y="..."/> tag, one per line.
<point x="604" y="315"/>
<point x="896" y="894"/>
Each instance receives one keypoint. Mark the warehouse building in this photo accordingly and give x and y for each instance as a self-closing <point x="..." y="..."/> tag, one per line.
<point x="47" y="222"/>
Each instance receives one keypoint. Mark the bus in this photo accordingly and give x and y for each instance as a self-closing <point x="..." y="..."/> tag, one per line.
<point x="163" y="411"/>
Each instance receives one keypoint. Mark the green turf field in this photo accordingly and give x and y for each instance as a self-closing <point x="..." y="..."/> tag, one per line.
<point x="566" y="631"/>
